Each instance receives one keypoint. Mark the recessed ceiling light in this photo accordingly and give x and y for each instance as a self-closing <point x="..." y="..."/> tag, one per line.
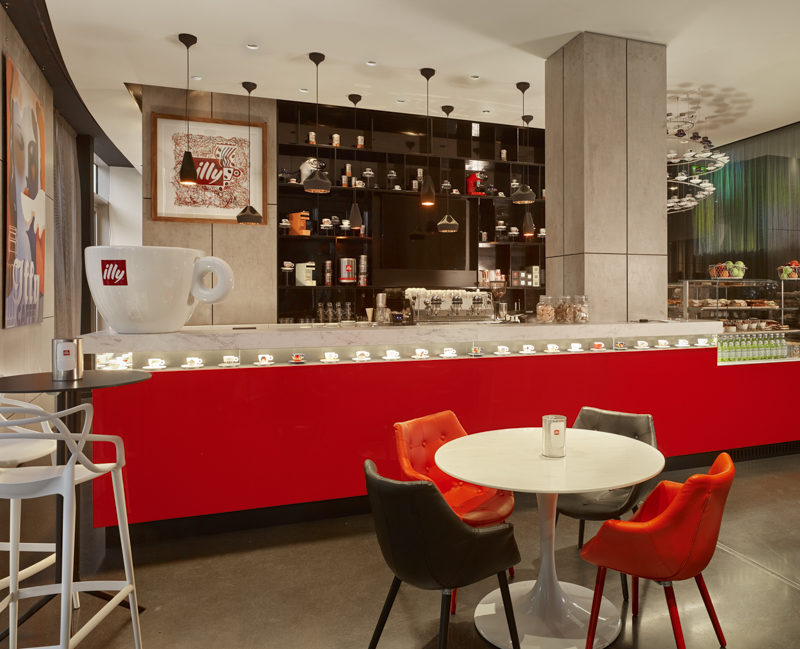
<point x="252" y="46"/>
<point x="196" y="77"/>
<point x="400" y="101"/>
<point x="474" y="77"/>
<point x="303" y="90"/>
<point x="372" y="63"/>
<point x="486" y="110"/>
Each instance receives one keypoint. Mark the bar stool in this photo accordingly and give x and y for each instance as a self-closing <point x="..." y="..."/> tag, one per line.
<point x="14" y="452"/>
<point x="21" y="483"/>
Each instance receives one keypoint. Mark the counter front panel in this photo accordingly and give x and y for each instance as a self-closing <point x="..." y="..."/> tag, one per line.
<point x="222" y="440"/>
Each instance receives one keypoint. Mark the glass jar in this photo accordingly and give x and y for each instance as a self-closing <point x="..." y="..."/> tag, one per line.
<point x="545" y="312"/>
<point x="564" y="309"/>
<point x="580" y="309"/>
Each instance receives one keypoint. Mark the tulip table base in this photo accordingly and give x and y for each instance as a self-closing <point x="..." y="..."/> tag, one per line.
<point x="549" y="614"/>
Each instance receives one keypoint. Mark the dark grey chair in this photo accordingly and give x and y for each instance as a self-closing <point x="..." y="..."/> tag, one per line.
<point x="425" y="544"/>
<point x="611" y="503"/>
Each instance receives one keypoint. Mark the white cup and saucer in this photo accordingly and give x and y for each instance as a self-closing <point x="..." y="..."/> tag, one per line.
<point x="502" y="350"/>
<point x="421" y="353"/>
<point x="155" y="364"/>
<point x="642" y="344"/>
<point x="528" y="349"/>
<point x="391" y="355"/>
<point x="362" y="356"/>
<point x="575" y="347"/>
<point x="552" y="348"/>
<point x="448" y="352"/>
<point x="193" y="362"/>
<point x="265" y="359"/>
<point x="330" y="357"/>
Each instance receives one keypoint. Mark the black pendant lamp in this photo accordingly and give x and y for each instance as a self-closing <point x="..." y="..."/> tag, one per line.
<point x="356" y="222"/>
<point x="188" y="173"/>
<point x="524" y="194"/>
<point x="318" y="182"/>
<point x="249" y="214"/>
<point x="427" y="196"/>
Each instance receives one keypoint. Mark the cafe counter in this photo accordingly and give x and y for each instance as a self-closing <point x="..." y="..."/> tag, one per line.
<point x="260" y="433"/>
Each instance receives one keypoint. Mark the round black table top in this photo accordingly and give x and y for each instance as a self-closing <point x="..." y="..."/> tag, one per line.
<point x="92" y="380"/>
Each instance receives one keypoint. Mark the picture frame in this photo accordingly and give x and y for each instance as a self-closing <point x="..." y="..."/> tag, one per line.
<point x="25" y="201"/>
<point x="226" y="177"/>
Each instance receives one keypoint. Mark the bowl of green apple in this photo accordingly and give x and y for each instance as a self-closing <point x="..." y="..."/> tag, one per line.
<point x="727" y="270"/>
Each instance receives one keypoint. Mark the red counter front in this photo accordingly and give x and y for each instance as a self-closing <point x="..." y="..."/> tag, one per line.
<point x="210" y="441"/>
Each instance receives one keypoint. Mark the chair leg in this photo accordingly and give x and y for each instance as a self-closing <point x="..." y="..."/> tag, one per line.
<point x="127" y="553"/>
<point x="13" y="571"/>
<point x="444" y="619"/>
<point x="509" y="609"/>
<point x="673" y="614"/>
<point x="596" y="601"/>
<point x="387" y="606"/>
<point x="635" y="583"/>
<point x="701" y="584"/>
<point x="511" y="573"/>
<point x="624" y="581"/>
<point x="67" y="559"/>
<point x="453" y="602"/>
<point x="581" y="529"/>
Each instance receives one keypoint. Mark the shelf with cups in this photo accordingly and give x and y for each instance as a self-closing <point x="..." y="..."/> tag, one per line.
<point x="499" y="344"/>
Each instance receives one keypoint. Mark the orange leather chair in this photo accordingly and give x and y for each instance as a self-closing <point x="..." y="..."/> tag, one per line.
<point x="417" y="443"/>
<point x="672" y="537"/>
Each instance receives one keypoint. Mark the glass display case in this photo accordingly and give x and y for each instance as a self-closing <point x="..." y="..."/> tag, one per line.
<point x="742" y="304"/>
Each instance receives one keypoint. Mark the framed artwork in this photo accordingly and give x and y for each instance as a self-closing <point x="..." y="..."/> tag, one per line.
<point x="26" y="204"/>
<point x="219" y="148"/>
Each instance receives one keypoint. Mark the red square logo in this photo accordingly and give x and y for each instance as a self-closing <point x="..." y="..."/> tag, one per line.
<point x="67" y="352"/>
<point x="114" y="272"/>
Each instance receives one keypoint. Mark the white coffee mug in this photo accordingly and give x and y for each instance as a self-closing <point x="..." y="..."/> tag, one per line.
<point x="152" y="289"/>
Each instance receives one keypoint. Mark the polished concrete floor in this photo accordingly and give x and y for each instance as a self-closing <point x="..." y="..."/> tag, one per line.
<point x="322" y="584"/>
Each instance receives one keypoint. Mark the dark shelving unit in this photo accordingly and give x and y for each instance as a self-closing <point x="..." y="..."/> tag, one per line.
<point x="402" y="243"/>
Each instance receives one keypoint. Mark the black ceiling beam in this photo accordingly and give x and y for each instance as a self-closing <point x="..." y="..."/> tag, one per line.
<point x="32" y="21"/>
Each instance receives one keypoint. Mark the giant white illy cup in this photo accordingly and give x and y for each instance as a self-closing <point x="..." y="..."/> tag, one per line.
<point x="554" y="435"/>
<point x="152" y="289"/>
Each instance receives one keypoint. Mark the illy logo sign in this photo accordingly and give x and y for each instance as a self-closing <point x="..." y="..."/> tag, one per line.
<point x="113" y="272"/>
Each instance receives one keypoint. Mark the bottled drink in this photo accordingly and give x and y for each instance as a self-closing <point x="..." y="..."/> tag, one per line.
<point x="738" y="354"/>
<point x="722" y="351"/>
<point x="783" y="347"/>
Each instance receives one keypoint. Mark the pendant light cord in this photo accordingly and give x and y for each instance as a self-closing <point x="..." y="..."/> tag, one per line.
<point x="249" y="159"/>
<point x="186" y="112"/>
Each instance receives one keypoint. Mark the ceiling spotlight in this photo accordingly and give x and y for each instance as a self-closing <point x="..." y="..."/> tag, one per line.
<point x="474" y="77"/>
<point x="252" y="46"/>
<point x="196" y="77"/>
<point x="372" y="63"/>
<point x="400" y="101"/>
<point x="486" y="110"/>
<point x="303" y="90"/>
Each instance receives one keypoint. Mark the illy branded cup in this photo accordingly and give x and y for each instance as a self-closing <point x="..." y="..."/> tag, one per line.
<point x="152" y="289"/>
<point x="554" y="432"/>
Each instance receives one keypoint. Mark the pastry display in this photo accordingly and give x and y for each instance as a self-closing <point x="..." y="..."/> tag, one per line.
<point x="790" y="270"/>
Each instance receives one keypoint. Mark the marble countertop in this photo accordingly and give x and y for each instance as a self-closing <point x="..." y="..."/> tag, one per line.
<point x="273" y="336"/>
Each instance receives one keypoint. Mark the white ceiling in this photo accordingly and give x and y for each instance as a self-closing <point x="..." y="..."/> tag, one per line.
<point x="741" y="54"/>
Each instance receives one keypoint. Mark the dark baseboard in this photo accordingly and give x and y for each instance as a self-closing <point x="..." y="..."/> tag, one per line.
<point x="178" y="528"/>
<point x="696" y="460"/>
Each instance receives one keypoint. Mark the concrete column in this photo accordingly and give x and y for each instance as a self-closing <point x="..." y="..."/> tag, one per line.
<point x="606" y="200"/>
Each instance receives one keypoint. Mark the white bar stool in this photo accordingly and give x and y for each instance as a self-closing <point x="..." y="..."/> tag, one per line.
<point x="14" y="452"/>
<point x="20" y="483"/>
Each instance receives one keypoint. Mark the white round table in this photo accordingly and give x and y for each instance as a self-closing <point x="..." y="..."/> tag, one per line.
<point x="549" y="614"/>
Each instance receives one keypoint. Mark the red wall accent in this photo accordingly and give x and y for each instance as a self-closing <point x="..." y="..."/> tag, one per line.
<point x="218" y="440"/>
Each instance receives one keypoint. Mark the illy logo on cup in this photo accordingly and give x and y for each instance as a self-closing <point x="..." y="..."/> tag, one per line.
<point x="113" y="272"/>
<point x="66" y="352"/>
